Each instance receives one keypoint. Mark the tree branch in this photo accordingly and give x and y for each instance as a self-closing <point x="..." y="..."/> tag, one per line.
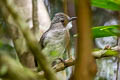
<point x="118" y="62"/>
<point x="58" y="67"/>
<point x="85" y="66"/>
<point x="35" y="16"/>
<point x="13" y="71"/>
<point x="25" y="55"/>
<point x="97" y="55"/>
<point x="30" y="39"/>
<point x="61" y="66"/>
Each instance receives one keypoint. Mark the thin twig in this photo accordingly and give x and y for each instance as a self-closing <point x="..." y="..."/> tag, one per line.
<point x="35" y="16"/>
<point x="118" y="62"/>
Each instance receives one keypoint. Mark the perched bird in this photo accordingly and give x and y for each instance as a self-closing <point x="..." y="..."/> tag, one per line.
<point x="56" y="39"/>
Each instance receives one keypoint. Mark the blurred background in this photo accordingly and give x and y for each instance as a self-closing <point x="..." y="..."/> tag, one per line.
<point x="107" y="66"/>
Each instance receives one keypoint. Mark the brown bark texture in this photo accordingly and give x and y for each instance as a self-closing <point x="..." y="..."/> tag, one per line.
<point x="85" y="67"/>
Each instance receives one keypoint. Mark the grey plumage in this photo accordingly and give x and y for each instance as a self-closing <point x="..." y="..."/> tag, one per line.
<point x="53" y="41"/>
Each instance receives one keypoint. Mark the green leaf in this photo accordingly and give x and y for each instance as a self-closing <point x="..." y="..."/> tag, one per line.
<point x="105" y="31"/>
<point x="107" y="4"/>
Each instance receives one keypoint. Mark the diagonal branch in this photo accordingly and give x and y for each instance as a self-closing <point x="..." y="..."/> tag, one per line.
<point x="30" y="39"/>
<point x="16" y="35"/>
<point x="12" y="70"/>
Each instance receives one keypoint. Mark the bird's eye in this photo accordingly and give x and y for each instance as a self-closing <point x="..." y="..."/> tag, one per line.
<point x="62" y="20"/>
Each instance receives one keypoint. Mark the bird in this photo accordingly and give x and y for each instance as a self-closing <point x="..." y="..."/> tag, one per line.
<point x="56" y="39"/>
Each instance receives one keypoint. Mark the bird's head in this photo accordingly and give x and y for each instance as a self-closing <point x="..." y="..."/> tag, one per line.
<point x="63" y="18"/>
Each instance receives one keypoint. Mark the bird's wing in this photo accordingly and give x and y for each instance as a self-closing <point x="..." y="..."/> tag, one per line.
<point x="42" y="40"/>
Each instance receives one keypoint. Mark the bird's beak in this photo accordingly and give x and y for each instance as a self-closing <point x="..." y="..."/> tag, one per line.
<point x="72" y="18"/>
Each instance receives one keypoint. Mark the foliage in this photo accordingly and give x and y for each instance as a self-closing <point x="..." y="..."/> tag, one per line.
<point x="101" y="31"/>
<point x="104" y="31"/>
<point x="107" y="4"/>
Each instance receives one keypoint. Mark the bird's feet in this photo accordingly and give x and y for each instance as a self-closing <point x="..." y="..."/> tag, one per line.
<point x="57" y="61"/>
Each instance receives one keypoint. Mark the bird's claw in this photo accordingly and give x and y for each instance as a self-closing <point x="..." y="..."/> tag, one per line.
<point x="56" y="62"/>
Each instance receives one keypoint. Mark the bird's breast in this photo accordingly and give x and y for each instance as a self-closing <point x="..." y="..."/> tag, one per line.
<point x="55" y="43"/>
